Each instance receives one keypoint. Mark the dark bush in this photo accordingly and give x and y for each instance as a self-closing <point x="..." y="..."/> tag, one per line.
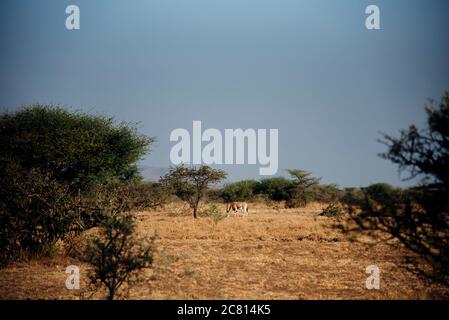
<point x="380" y="192"/>
<point x="144" y="195"/>
<point x="51" y="161"/>
<point x="326" y="193"/>
<point x="35" y="214"/>
<point x="352" y="197"/>
<point x="214" y="194"/>
<point x="276" y="189"/>
<point x="239" y="191"/>
<point x="115" y="255"/>
<point x="333" y="210"/>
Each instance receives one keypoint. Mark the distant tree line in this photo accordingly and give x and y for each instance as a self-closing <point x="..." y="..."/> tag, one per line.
<point x="296" y="194"/>
<point x="278" y="189"/>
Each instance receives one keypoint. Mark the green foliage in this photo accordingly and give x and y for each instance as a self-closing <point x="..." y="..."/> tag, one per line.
<point x="214" y="213"/>
<point x="76" y="149"/>
<point x="352" y="197"/>
<point x="191" y="184"/>
<point x="327" y="193"/>
<point x="115" y="255"/>
<point x="144" y="195"/>
<point x="303" y="179"/>
<point x="298" y="199"/>
<point x="51" y="161"/>
<point x="299" y="192"/>
<point x="275" y="189"/>
<point x="239" y="191"/>
<point x="333" y="210"/>
<point x="296" y="192"/>
<point x="121" y="197"/>
<point x="379" y="192"/>
<point x="34" y="215"/>
<point x="214" y="194"/>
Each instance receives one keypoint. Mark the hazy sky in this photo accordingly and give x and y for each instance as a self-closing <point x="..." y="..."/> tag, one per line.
<point x="308" y="68"/>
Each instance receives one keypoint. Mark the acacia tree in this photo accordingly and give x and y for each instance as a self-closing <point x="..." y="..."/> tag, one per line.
<point x="73" y="148"/>
<point x="298" y="190"/>
<point x="46" y="149"/>
<point x="190" y="184"/>
<point x="419" y="216"/>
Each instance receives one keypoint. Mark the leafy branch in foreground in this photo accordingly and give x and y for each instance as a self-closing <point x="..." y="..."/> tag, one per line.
<point x="115" y="255"/>
<point x="419" y="216"/>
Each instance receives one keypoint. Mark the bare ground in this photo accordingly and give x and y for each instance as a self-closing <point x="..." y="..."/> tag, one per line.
<point x="272" y="254"/>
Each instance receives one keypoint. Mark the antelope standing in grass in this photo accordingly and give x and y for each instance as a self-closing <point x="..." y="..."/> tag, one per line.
<point x="236" y="206"/>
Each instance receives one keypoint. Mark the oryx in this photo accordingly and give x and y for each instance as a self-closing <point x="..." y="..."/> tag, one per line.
<point x="236" y="206"/>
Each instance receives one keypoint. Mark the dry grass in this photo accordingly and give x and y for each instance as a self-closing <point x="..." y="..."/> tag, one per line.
<point x="272" y="254"/>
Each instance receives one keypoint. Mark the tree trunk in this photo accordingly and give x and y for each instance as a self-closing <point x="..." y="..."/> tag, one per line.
<point x="111" y="294"/>
<point x="194" y="211"/>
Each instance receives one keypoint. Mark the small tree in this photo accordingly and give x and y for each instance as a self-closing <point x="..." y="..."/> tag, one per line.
<point x="215" y="214"/>
<point x="190" y="184"/>
<point x="115" y="255"/>
<point x="299" y="190"/>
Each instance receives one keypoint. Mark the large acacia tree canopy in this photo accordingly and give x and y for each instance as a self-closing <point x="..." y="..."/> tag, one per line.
<point x="73" y="148"/>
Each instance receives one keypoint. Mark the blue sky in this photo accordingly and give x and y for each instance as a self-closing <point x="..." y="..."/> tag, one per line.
<point x="308" y="68"/>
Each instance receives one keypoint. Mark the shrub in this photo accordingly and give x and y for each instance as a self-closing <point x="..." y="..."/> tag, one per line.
<point x="328" y="193"/>
<point x="115" y="256"/>
<point x="51" y="159"/>
<point x="333" y="210"/>
<point x="276" y="189"/>
<point x="214" y="195"/>
<point x="352" y="197"/>
<point x="144" y="195"/>
<point x="298" y="199"/>
<point x="36" y="214"/>
<point x="379" y="192"/>
<point x="239" y="191"/>
<point x="214" y="213"/>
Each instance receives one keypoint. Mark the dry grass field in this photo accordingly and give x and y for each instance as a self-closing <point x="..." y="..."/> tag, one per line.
<point x="271" y="254"/>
